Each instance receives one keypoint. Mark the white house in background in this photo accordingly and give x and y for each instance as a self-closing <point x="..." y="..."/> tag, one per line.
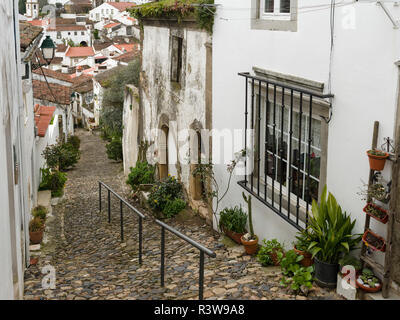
<point x="79" y="56"/>
<point x="109" y="10"/>
<point x="32" y="9"/>
<point x="54" y="2"/>
<point x="62" y="33"/>
<point x="302" y="51"/>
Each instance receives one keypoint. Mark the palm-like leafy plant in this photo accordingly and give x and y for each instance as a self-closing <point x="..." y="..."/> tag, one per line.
<point x="330" y="230"/>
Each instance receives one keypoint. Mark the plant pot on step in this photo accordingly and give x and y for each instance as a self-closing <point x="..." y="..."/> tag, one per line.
<point x="374" y="241"/>
<point x="307" y="260"/>
<point x="250" y="246"/>
<point x="233" y="235"/>
<point x="377" y="159"/>
<point x="36" y="237"/>
<point x="383" y="215"/>
<point x="326" y="273"/>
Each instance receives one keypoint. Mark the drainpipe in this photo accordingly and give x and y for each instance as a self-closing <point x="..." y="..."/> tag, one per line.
<point x="390" y="16"/>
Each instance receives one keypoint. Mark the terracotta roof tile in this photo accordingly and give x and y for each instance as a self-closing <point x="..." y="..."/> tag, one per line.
<point x="54" y="74"/>
<point x="127" y="47"/>
<point x="28" y="33"/>
<point x="68" y="27"/>
<point x="112" y="24"/>
<point x="126" y="57"/>
<point x="61" y="93"/>
<point x="43" y="116"/>
<point x="122" y="6"/>
<point x="79" y="52"/>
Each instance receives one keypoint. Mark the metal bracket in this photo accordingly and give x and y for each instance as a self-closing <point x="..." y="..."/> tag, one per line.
<point x="390" y="16"/>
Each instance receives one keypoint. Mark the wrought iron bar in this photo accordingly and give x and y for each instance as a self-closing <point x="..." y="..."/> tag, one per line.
<point x="162" y="267"/>
<point x="281" y="148"/>
<point x="121" y="220"/>
<point x="99" y="197"/>
<point x="252" y="133"/>
<point x="309" y="158"/>
<point x="290" y="150"/>
<point x="109" y="206"/>
<point x="299" y="159"/>
<point x="266" y="145"/>
<point x="190" y="241"/>
<point x="273" y="152"/>
<point x="258" y="138"/>
<point x="140" y="240"/>
<point x="245" y="132"/>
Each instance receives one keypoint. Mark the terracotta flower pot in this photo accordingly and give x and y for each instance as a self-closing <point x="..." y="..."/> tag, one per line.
<point x="368" y="289"/>
<point x="384" y="219"/>
<point x="307" y="260"/>
<point x="250" y="246"/>
<point x="36" y="237"/>
<point x="233" y="235"/>
<point x="371" y="245"/>
<point x="33" y="261"/>
<point x="377" y="163"/>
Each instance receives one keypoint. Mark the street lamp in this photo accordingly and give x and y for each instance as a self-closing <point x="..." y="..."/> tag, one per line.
<point x="48" y="49"/>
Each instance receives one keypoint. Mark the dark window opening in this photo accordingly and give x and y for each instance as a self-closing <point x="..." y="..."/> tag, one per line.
<point x="176" y="59"/>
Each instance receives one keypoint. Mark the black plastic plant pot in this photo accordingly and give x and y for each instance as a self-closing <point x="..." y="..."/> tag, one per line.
<point x="326" y="273"/>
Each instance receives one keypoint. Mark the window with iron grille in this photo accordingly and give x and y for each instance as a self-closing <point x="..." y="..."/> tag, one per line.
<point x="288" y="141"/>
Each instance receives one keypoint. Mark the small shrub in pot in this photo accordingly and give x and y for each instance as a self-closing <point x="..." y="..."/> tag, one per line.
<point x="233" y="222"/>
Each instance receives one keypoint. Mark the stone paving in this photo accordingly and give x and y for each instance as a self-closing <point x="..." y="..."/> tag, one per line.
<point x="92" y="263"/>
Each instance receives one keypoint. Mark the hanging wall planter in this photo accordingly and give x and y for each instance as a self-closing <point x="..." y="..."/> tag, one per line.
<point x="376" y="212"/>
<point x="377" y="159"/>
<point x="374" y="241"/>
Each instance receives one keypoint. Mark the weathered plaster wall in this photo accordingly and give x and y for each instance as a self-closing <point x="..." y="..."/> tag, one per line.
<point x="130" y="120"/>
<point x="170" y="103"/>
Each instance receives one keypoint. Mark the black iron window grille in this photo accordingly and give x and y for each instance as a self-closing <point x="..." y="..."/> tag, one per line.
<point x="284" y="135"/>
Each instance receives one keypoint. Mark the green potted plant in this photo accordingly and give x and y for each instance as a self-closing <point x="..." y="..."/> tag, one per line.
<point x="368" y="282"/>
<point x="233" y="222"/>
<point x="376" y="212"/>
<point x="40" y="212"/>
<point x="249" y="240"/>
<point x="36" y="230"/>
<point x="295" y="276"/>
<point x="267" y="255"/>
<point x="377" y="159"/>
<point x="301" y="248"/>
<point x="141" y="177"/>
<point x="331" y="235"/>
<point x="374" y="241"/>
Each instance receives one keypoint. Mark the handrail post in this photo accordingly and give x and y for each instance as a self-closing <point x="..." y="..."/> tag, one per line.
<point x="121" y="220"/>
<point x="201" y="275"/>
<point x="140" y="240"/>
<point x="162" y="255"/>
<point x="109" y="206"/>
<point x="100" y="197"/>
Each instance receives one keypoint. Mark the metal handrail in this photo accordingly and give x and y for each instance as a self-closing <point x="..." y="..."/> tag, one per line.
<point x="203" y="250"/>
<point x="123" y="201"/>
<point x="195" y="244"/>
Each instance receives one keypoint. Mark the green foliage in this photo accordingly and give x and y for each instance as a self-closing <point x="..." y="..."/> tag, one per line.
<point x="53" y="181"/>
<point x="22" y="6"/>
<point x="163" y="191"/>
<point x="35" y="225"/>
<point x="368" y="278"/>
<point x="349" y="260"/>
<point x="74" y="141"/>
<point x="178" y="9"/>
<point x="378" y="153"/>
<point x="61" y="155"/>
<point x="142" y="173"/>
<point x="297" y="277"/>
<point x="173" y="207"/>
<point x="40" y="212"/>
<point x="96" y="34"/>
<point x="303" y="240"/>
<point x="270" y="247"/>
<point x="113" y="99"/>
<point x="233" y="219"/>
<point x="114" y="149"/>
<point x="330" y="230"/>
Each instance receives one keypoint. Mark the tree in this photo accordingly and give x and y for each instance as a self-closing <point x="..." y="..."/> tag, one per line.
<point x="22" y="6"/>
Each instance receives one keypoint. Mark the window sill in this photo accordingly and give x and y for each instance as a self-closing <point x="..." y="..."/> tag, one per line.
<point x="273" y="24"/>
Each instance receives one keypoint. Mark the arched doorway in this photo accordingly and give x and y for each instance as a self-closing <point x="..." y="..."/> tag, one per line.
<point x="83" y="44"/>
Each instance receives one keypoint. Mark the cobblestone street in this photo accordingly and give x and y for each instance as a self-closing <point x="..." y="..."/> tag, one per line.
<point x="91" y="262"/>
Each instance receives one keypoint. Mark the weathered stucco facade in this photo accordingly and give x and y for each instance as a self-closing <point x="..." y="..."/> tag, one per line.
<point x="174" y="100"/>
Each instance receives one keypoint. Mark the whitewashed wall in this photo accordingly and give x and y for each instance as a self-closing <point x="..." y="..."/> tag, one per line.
<point x="12" y="247"/>
<point x="364" y="82"/>
<point x="183" y="106"/>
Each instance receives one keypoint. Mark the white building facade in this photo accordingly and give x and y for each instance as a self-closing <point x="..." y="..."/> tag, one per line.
<point x="336" y="55"/>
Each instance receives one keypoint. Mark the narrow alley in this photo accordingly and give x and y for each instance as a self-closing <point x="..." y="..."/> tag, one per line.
<point x="91" y="262"/>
